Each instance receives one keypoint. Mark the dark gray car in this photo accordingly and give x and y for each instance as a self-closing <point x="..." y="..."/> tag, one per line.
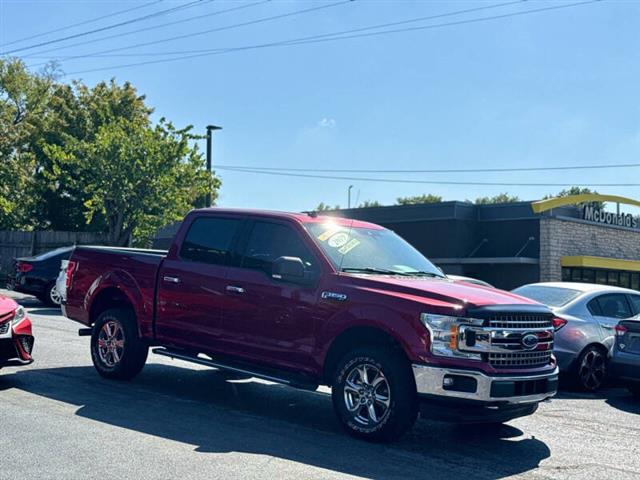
<point x="587" y="315"/>
<point x="625" y="358"/>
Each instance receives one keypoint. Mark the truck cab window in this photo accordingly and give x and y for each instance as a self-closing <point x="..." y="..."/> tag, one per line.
<point x="269" y="241"/>
<point x="209" y="240"/>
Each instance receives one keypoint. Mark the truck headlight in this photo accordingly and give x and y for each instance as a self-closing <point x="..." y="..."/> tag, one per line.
<point x="443" y="330"/>
<point x="18" y="315"/>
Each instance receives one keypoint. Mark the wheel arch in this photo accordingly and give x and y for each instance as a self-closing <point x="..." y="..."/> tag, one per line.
<point x="107" y="298"/>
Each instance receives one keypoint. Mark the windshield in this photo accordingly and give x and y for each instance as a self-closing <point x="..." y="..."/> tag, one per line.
<point x="550" y="296"/>
<point x="368" y="250"/>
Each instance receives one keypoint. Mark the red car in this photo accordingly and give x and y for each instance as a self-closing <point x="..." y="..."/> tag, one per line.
<point x="306" y="300"/>
<point x="16" y="339"/>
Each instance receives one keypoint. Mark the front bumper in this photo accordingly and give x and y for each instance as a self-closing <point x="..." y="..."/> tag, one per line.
<point x="16" y="343"/>
<point x="475" y="386"/>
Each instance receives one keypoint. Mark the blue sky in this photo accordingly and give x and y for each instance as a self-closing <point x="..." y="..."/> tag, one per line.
<point x="553" y="88"/>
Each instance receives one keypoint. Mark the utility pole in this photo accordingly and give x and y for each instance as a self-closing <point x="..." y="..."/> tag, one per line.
<point x="349" y="196"/>
<point x="210" y="129"/>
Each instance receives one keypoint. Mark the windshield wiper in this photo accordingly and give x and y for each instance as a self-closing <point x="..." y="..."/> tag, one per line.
<point x="424" y="273"/>
<point x="381" y="271"/>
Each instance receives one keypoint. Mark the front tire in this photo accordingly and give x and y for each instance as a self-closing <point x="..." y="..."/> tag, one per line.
<point x="374" y="394"/>
<point x="116" y="349"/>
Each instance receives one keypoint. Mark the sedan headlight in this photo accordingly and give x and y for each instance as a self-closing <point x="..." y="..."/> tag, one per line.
<point x="444" y="334"/>
<point x="19" y="315"/>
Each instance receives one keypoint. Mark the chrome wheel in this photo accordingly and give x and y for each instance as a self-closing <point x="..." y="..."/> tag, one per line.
<point x="592" y="370"/>
<point x="111" y="343"/>
<point x="54" y="296"/>
<point x="367" y="395"/>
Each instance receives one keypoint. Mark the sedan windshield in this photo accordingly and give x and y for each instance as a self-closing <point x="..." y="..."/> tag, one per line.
<point x="550" y="296"/>
<point x="370" y="251"/>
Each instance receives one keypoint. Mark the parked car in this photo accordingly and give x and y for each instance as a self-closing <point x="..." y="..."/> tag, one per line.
<point x="16" y="338"/>
<point x="305" y="300"/>
<point x="37" y="275"/>
<point x="61" y="281"/>
<point x="625" y="359"/>
<point x="475" y="281"/>
<point x="586" y="317"/>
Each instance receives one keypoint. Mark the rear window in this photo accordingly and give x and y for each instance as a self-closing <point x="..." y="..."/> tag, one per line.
<point x="550" y="296"/>
<point x="54" y="253"/>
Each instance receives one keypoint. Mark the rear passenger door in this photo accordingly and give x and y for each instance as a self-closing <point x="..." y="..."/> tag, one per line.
<point x="608" y="309"/>
<point x="191" y="284"/>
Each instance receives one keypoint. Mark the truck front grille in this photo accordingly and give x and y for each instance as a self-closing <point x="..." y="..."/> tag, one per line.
<point x="520" y="359"/>
<point x="520" y="320"/>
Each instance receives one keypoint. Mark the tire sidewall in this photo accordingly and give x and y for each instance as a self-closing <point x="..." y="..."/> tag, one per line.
<point x="578" y="380"/>
<point x="402" y="410"/>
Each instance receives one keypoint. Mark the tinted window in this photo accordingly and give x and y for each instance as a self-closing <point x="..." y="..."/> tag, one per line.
<point x="269" y="241"/>
<point x="614" y="305"/>
<point x="594" y="307"/>
<point x="635" y="303"/>
<point x="209" y="240"/>
<point x="550" y="296"/>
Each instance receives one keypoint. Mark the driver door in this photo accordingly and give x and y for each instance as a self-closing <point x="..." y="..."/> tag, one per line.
<point x="265" y="319"/>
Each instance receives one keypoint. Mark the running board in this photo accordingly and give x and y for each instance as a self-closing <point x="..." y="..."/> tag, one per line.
<point x="276" y="377"/>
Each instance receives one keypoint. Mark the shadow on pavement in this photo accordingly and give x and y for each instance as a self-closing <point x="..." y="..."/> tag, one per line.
<point x="221" y="413"/>
<point x="626" y="402"/>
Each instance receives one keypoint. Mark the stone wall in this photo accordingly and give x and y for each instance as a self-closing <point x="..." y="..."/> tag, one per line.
<point x="560" y="238"/>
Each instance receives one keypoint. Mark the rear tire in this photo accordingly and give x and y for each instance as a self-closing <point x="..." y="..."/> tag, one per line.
<point x="590" y="371"/>
<point x="51" y="297"/>
<point x="116" y="349"/>
<point x="374" y="394"/>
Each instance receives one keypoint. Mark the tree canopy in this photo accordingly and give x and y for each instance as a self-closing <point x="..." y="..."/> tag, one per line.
<point x="74" y="157"/>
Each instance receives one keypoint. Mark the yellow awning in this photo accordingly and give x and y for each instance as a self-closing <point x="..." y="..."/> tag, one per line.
<point x="549" y="203"/>
<point x="600" y="262"/>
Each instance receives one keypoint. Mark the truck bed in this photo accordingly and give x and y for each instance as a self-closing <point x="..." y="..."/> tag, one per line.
<point x="125" y="271"/>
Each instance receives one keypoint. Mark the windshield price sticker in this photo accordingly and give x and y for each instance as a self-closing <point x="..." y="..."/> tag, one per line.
<point x="328" y="233"/>
<point x="338" y="240"/>
<point x="349" y="246"/>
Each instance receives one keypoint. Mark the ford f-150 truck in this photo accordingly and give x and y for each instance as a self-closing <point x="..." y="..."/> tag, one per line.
<point x="306" y="300"/>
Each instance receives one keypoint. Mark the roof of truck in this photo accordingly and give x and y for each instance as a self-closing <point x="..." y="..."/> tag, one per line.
<point x="311" y="217"/>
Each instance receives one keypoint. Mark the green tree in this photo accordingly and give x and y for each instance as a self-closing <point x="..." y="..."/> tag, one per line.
<point x="501" y="198"/>
<point x="369" y="203"/>
<point x="577" y="191"/>
<point x="424" y="198"/>
<point x="134" y="177"/>
<point x="323" y="207"/>
<point x="24" y="110"/>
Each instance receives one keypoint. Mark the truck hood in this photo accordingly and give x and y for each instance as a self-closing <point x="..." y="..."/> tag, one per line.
<point x="441" y="290"/>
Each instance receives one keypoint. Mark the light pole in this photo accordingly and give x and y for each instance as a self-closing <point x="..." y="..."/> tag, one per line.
<point x="349" y="196"/>
<point x="210" y="129"/>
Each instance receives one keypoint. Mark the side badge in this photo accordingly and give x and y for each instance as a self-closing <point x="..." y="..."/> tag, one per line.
<point x="338" y="297"/>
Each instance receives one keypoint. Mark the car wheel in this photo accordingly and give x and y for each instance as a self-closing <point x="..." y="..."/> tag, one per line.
<point x="116" y="349"/>
<point x="52" y="297"/>
<point x="374" y="394"/>
<point x="591" y="369"/>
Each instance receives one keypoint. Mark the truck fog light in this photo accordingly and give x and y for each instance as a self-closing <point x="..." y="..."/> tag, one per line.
<point x="448" y="382"/>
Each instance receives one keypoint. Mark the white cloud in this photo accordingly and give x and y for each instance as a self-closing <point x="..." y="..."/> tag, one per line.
<point x="327" y="123"/>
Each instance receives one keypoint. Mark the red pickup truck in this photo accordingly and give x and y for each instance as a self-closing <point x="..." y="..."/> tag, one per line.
<point x="306" y="300"/>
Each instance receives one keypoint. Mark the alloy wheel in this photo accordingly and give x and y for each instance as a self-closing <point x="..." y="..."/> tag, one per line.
<point x="367" y="395"/>
<point x="111" y="343"/>
<point x="592" y="370"/>
<point x="54" y="296"/>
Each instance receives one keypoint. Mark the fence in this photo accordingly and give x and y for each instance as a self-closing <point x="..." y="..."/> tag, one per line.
<point x="23" y="244"/>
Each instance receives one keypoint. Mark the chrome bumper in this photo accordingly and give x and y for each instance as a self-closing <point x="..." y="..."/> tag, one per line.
<point x="431" y="381"/>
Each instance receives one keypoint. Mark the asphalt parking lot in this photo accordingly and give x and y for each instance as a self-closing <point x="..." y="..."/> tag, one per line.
<point x="60" y="420"/>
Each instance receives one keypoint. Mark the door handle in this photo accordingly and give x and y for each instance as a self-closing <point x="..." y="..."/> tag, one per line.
<point x="234" y="289"/>
<point x="171" y="279"/>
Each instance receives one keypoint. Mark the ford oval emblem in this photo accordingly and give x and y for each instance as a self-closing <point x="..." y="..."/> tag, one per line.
<point x="530" y="341"/>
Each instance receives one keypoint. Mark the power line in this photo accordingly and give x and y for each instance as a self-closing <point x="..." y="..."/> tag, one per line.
<point x="451" y="170"/>
<point x="430" y="182"/>
<point x="112" y="26"/>
<point x="372" y="27"/>
<point x="85" y="22"/>
<point x="334" y="37"/>
<point x="218" y="29"/>
<point x="140" y="30"/>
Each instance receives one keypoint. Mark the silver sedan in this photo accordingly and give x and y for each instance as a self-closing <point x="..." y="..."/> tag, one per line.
<point x="587" y="315"/>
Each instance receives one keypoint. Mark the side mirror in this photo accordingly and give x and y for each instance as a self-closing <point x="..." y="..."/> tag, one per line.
<point x="289" y="269"/>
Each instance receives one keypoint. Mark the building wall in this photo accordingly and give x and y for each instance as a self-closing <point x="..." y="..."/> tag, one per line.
<point x="560" y="238"/>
